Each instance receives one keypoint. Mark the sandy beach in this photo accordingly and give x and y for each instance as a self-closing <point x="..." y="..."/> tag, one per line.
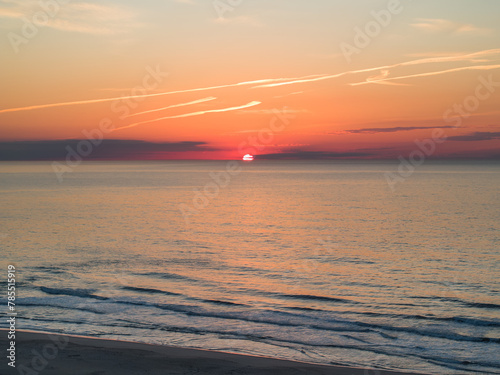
<point x="53" y="354"/>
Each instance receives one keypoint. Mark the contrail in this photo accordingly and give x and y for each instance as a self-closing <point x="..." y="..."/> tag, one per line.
<point x="265" y="83"/>
<point x="302" y="80"/>
<point x="380" y="79"/>
<point x="474" y="67"/>
<point x="91" y="101"/>
<point x="251" y="104"/>
<point x="175" y="106"/>
<point x="470" y="56"/>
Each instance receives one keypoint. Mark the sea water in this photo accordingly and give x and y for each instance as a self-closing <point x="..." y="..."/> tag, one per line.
<point x="312" y="261"/>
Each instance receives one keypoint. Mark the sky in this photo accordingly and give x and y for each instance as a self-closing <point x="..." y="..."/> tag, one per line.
<point x="281" y="79"/>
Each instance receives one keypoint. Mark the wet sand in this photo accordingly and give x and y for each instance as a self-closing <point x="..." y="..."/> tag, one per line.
<point x="54" y="354"/>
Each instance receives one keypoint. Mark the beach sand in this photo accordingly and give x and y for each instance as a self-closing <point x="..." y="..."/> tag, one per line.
<point x="54" y="354"/>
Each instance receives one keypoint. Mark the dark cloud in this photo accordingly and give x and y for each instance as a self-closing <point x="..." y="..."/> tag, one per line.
<point x="108" y="149"/>
<point x="390" y="130"/>
<point x="474" y="137"/>
<point x="314" y="155"/>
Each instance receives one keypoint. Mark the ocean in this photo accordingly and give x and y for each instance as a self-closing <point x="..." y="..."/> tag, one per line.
<point x="312" y="261"/>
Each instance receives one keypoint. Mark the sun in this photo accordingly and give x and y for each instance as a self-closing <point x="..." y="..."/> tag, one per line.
<point x="248" y="157"/>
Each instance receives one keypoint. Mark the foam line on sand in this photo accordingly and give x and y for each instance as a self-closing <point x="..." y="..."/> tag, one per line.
<point x="77" y="355"/>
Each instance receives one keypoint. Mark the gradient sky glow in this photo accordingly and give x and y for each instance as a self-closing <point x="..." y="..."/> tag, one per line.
<point x="222" y="77"/>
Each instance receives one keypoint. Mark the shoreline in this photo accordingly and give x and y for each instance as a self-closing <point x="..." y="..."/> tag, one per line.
<point x="62" y="354"/>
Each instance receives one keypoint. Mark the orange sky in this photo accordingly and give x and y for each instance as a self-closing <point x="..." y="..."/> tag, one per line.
<point x="190" y="72"/>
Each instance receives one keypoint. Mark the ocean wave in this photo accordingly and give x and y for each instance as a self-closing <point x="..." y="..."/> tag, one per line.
<point x="51" y="270"/>
<point x="84" y="293"/>
<point x="294" y="319"/>
<point x="457" y="319"/>
<point x="167" y="276"/>
<point x="314" y="298"/>
<point x="225" y="303"/>
<point x="483" y="305"/>
<point x="453" y="363"/>
<point x="282" y="318"/>
<point x="150" y="290"/>
<point x="159" y="291"/>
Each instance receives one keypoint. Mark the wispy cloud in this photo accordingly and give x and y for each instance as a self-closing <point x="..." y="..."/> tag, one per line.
<point x="238" y="20"/>
<point x="11" y="12"/>
<point x="436" y="54"/>
<point x="390" y="130"/>
<point x="109" y="149"/>
<point x="405" y="124"/>
<point x="199" y="113"/>
<point x="76" y="16"/>
<point x="439" y="25"/>
<point x="315" y="155"/>
<point x="475" y="137"/>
